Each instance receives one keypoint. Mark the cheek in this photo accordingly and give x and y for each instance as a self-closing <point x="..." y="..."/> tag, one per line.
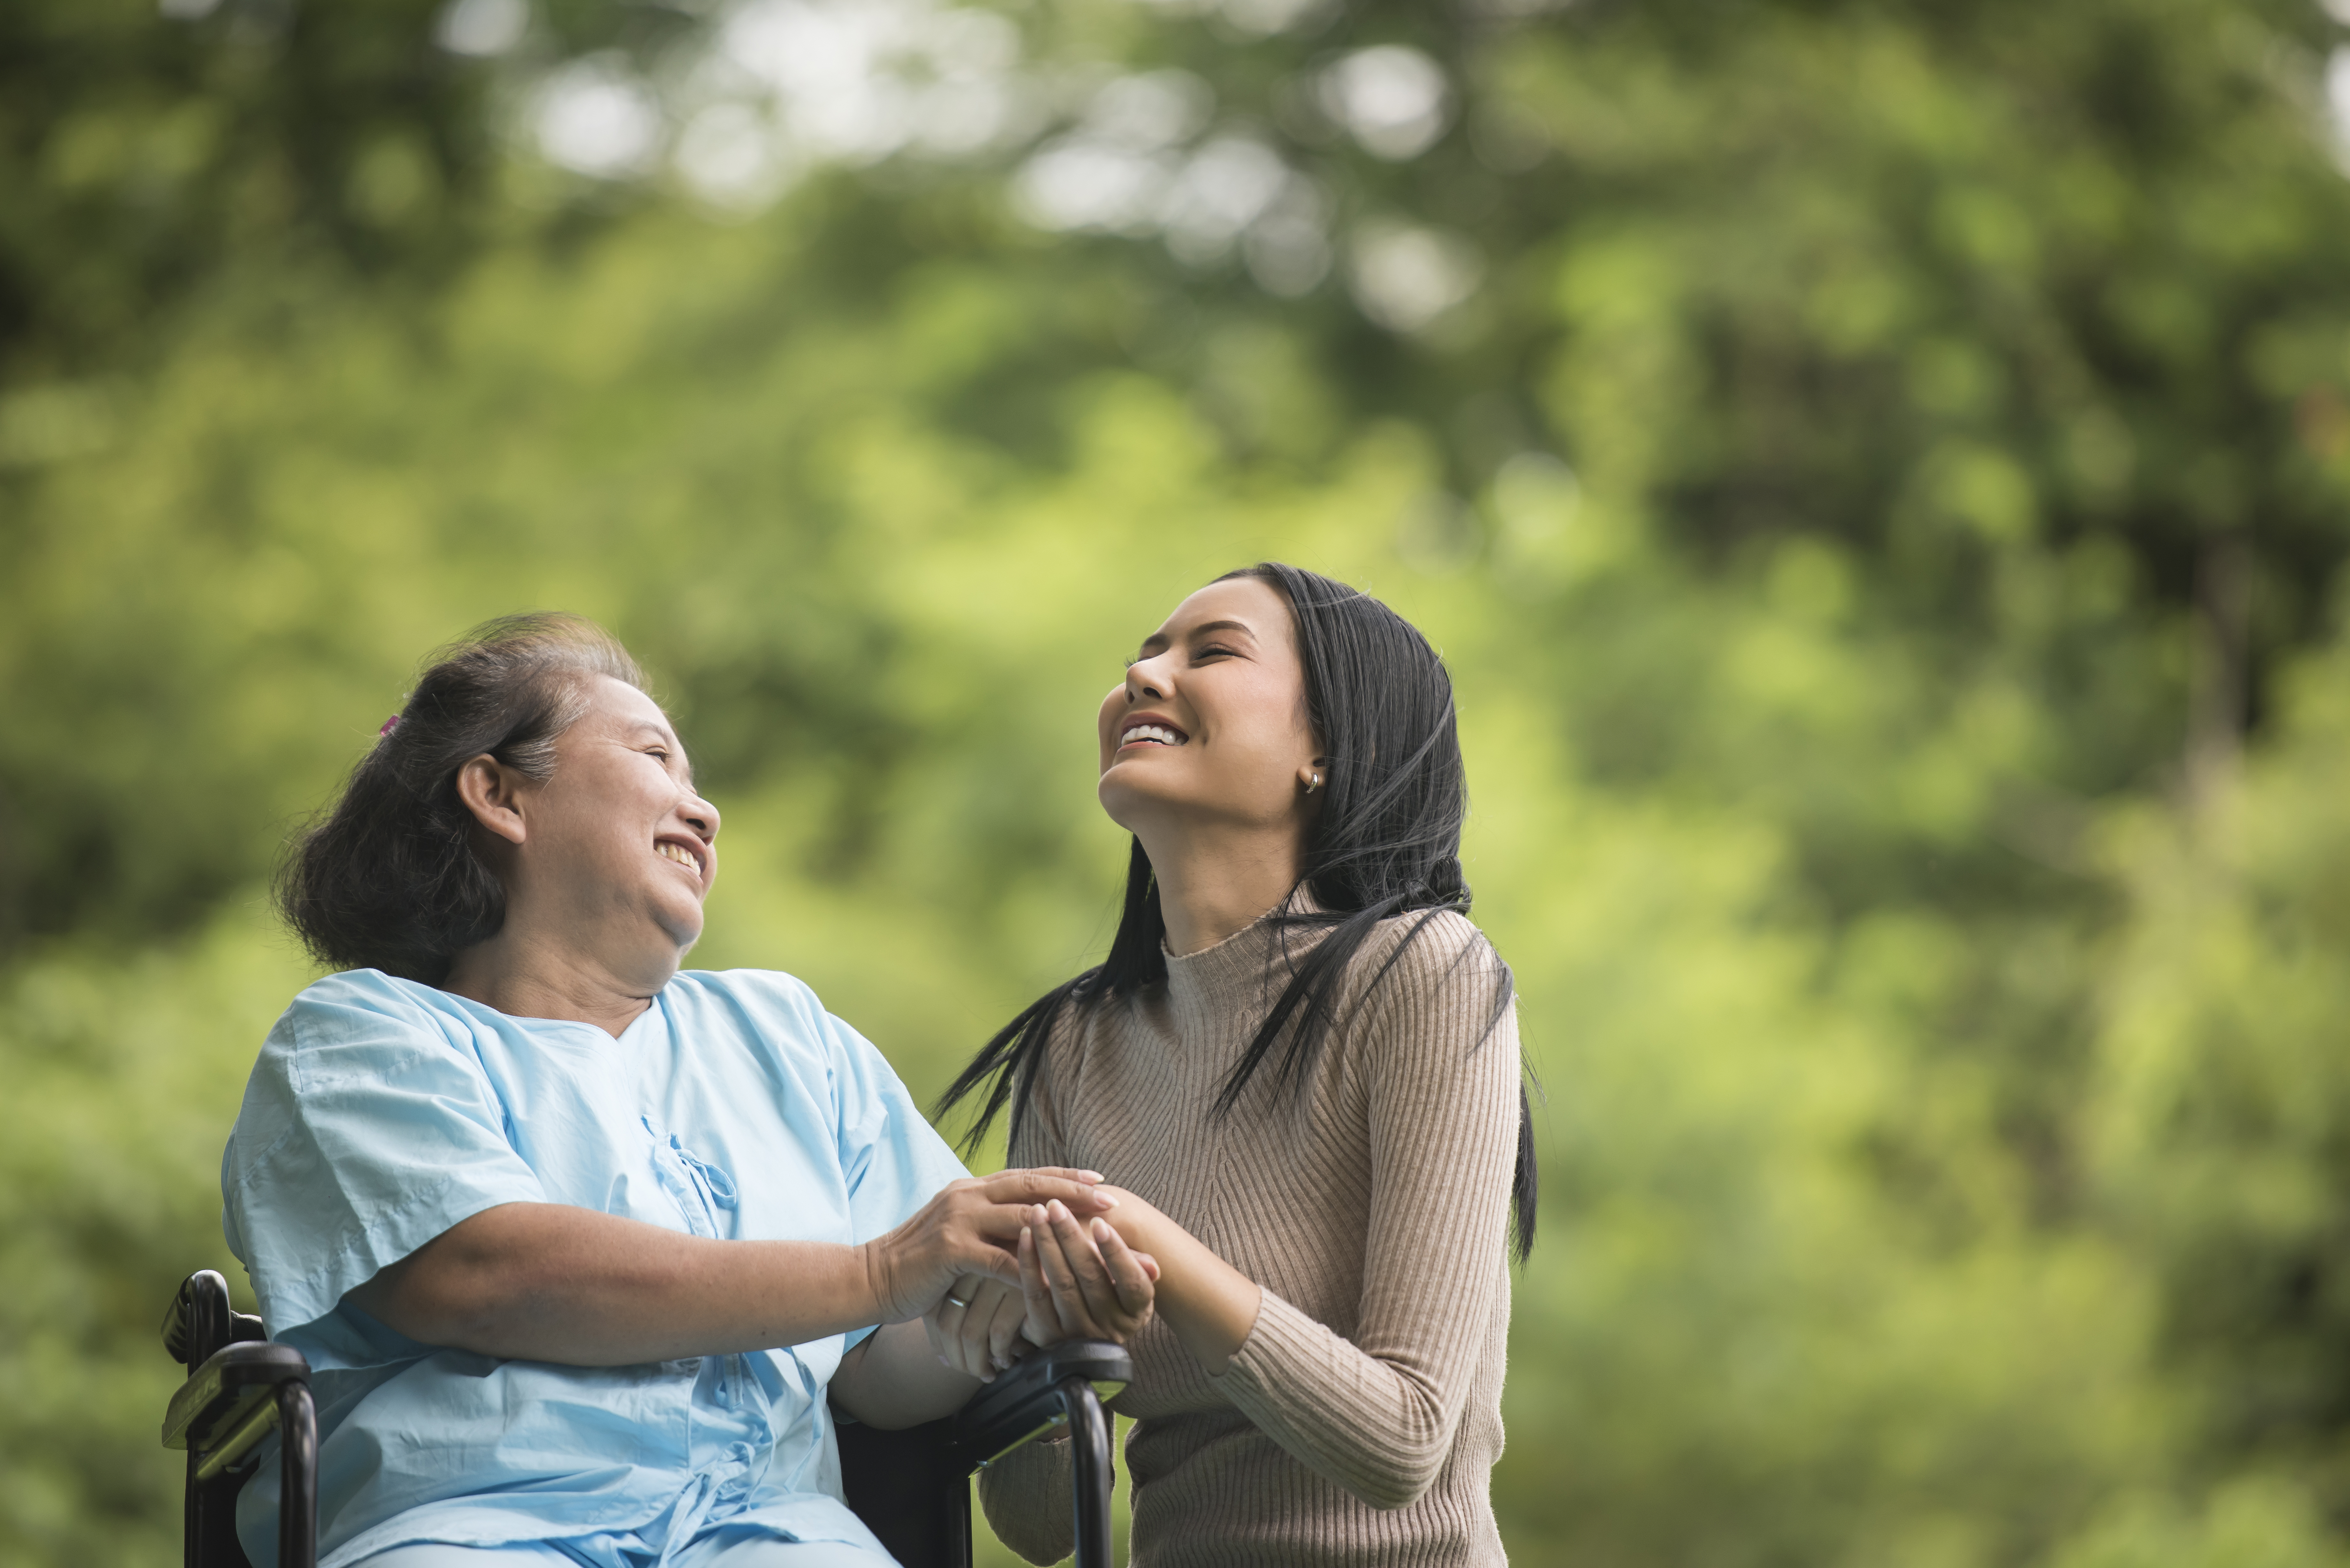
<point x="606" y="841"/>
<point x="1262" y="719"/>
<point x="609" y="828"/>
<point x="1112" y="705"/>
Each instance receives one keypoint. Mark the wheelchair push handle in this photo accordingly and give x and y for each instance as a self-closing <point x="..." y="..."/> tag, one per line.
<point x="240" y="1388"/>
<point x="1027" y="1401"/>
<point x="200" y="1321"/>
<point x="1061" y="1386"/>
<point x="1090" y="1476"/>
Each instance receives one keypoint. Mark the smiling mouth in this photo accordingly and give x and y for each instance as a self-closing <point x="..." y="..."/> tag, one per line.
<point x="1152" y="735"/>
<point x="679" y="853"/>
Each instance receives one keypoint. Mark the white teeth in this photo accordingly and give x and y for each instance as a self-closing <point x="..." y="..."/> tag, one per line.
<point x="1158" y="733"/>
<point x="679" y="854"/>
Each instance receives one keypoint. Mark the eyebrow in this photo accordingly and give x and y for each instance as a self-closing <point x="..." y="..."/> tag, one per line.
<point x="1158" y="640"/>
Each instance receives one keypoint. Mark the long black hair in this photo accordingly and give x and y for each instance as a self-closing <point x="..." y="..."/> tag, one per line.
<point x="1386" y="844"/>
<point x="391" y="878"/>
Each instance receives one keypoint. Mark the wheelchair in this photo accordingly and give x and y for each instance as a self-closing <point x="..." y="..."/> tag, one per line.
<point x="911" y="1488"/>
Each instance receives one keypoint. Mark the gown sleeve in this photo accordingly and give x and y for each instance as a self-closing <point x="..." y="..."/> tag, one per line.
<point x="1376" y="1413"/>
<point x="367" y="1130"/>
<point x="892" y="1159"/>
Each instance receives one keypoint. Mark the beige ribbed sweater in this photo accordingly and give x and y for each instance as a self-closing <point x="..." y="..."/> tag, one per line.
<point x="1360" y="1421"/>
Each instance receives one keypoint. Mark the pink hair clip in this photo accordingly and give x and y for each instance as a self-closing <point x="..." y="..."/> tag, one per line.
<point x="389" y="726"/>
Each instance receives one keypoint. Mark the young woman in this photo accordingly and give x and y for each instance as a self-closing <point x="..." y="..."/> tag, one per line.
<point x="576" y="1245"/>
<point x="1300" y="1066"/>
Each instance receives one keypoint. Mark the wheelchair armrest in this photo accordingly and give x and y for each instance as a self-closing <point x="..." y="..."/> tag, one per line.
<point x="229" y="1404"/>
<point x="1025" y="1402"/>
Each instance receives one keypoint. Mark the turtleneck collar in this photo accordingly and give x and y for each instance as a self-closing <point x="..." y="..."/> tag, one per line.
<point x="1236" y="980"/>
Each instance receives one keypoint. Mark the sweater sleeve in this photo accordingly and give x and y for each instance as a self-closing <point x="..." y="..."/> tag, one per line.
<point x="1025" y="1493"/>
<point x="1377" y="1415"/>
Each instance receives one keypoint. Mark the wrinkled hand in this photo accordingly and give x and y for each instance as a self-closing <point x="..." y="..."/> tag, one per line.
<point x="975" y="1327"/>
<point x="1081" y="1280"/>
<point x="970" y="1227"/>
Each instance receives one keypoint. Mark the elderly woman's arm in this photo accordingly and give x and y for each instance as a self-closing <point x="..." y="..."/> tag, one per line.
<point x="894" y="1379"/>
<point x="545" y="1281"/>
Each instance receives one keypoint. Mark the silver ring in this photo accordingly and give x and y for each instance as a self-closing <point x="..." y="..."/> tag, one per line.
<point x="959" y="1300"/>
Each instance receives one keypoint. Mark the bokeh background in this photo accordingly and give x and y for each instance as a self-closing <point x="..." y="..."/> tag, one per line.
<point x="1878" y="471"/>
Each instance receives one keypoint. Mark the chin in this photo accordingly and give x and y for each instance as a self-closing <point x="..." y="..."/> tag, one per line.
<point x="681" y="929"/>
<point x="1128" y="801"/>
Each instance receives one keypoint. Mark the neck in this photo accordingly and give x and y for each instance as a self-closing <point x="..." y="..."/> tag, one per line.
<point x="523" y="977"/>
<point x="1214" y="881"/>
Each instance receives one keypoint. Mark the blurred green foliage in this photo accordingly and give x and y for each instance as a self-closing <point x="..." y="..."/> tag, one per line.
<point x="1883" y="506"/>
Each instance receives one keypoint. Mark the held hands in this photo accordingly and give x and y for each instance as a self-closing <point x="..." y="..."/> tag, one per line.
<point x="971" y="1229"/>
<point x="1082" y="1282"/>
<point x="1077" y="1282"/>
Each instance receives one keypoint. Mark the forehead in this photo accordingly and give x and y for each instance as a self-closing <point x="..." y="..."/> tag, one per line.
<point x="1254" y="604"/>
<point x="616" y="704"/>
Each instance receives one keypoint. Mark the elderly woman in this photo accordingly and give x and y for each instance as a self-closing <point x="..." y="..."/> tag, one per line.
<point x="576" y="1245"/>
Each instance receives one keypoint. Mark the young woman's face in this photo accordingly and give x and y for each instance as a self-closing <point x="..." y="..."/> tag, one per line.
<point x="1209" y="723"/>
<point x="617" y="844"/>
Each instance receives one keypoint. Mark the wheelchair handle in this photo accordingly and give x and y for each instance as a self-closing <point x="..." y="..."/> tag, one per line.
<point x="1089" y="1469"/>
<point x="200" y="1321"/>
<point x="240" y="1387"/>
<point x="1062" y="1384"/>
<point x="1025" y="1402"/>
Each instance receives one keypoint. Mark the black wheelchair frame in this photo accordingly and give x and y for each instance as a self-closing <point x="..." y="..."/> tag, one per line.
<point x="911" y="1488"/>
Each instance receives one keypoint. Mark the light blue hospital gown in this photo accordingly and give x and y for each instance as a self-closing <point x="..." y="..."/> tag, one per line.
<point x="383" y="1112"/>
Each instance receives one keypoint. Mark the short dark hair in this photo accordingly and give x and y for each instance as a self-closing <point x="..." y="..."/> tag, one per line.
<point x="1386" y="844"/>
<point x="389" y="879"/>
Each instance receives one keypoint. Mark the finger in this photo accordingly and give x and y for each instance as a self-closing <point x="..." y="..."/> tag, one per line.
<point x="942" y="1324"/>
<point x="938" y="1341"/>
<point x="1041" y="1323"/>
<point x="1042" y="1187"/>
<point x="1004" y="1328"/>
<point x="976" y="1228"/>
<point x="979" y="1293"/>
<point x="1094" y="1287"/>
<point x="1076" y="1314"/>
<point x="1027" y="1191"/>
<point x="1135" y="1289"/>
<point x="1068" y="1310"/>
<point x="981" y="1328"/>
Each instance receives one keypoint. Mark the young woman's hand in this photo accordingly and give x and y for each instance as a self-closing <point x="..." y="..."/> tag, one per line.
<point x="975" y="1327"/>
<point x="1081" y="1280"/>
<point x="970" y="1227"/>
<point x="1211" y="1306"/>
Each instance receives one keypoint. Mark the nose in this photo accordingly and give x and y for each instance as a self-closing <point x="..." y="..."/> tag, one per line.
<point x="1144" y="678"/>
<point x="702" y="816"/>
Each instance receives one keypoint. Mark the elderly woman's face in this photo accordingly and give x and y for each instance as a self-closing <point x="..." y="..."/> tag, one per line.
<point x="617" y="841"/>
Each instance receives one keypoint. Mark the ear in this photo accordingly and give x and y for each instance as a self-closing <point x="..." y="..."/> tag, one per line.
<point x="492" y="792"/>
<point x="1314" y="776"/>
